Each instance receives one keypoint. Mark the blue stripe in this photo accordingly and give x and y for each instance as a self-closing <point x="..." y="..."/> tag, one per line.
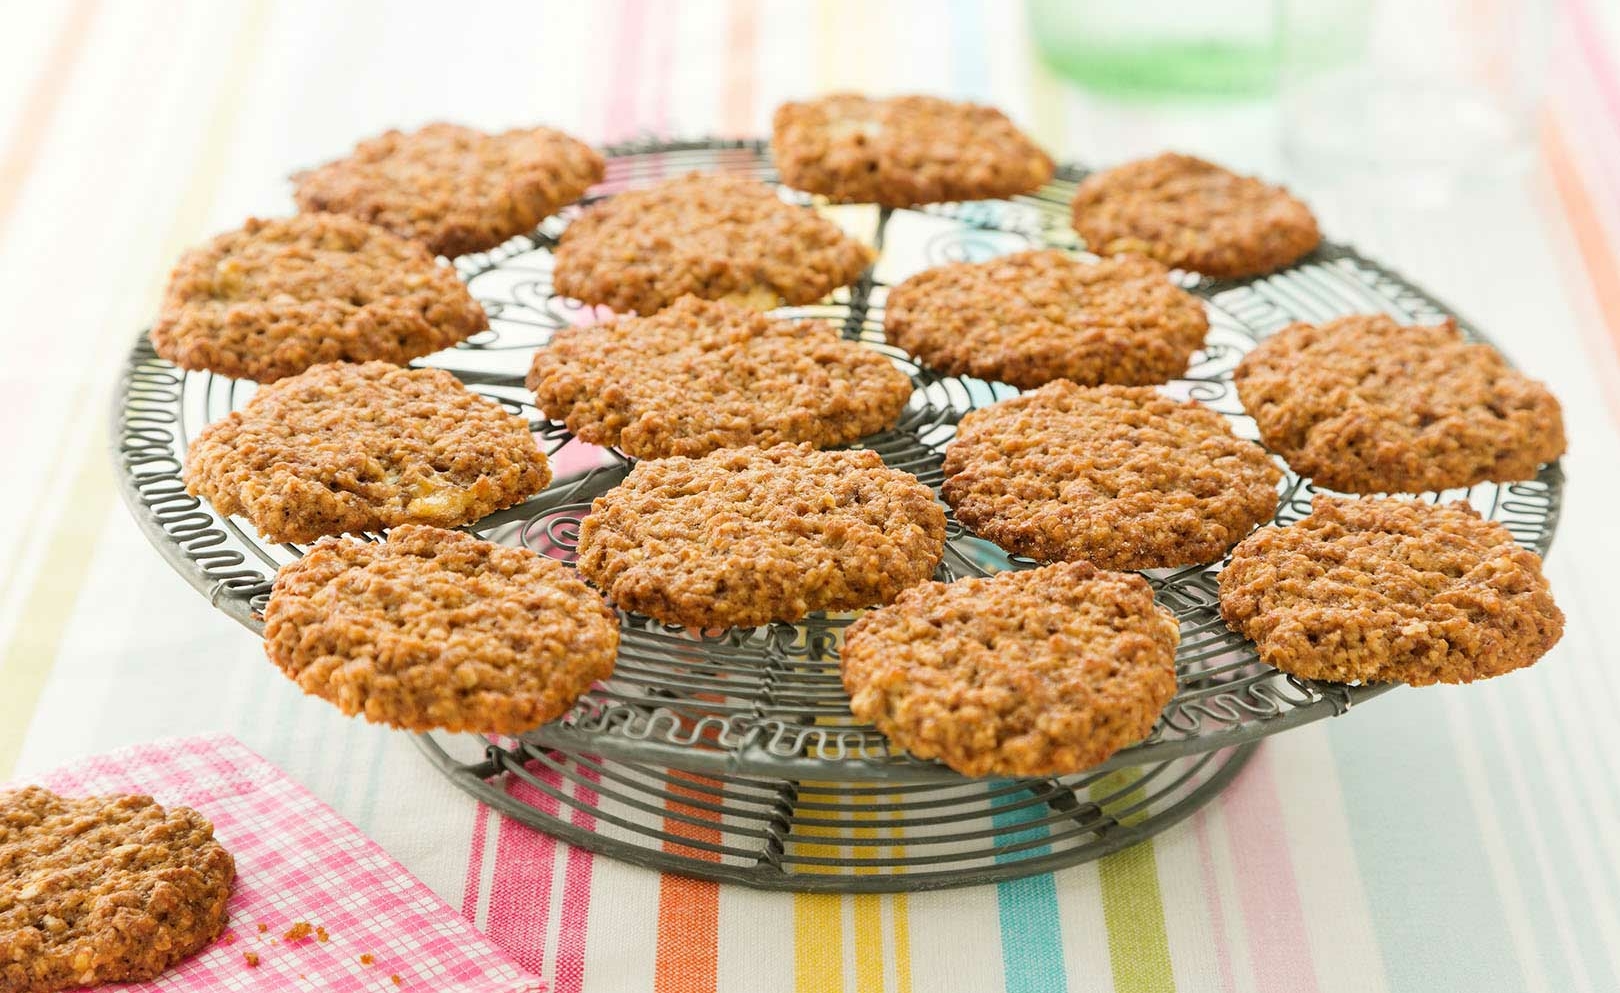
<point x="1031" y="929"/>
<point x="1515" y="819"/>
<point x="1434" y="906"/>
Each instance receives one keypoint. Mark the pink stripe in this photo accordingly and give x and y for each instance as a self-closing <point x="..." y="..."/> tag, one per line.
<point x="1588" y="34"/>
<point x="1279" y="945"/>
<point x="470" y="889"/>
<point x="576" y="902"/>
<point x="621" y="105"/>
<point x="1212" y="897"/>
<point x="520" y="895"/>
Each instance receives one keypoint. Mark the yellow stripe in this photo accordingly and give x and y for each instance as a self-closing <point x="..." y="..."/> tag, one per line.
<point x="868" y="911"/>
<point x="31" y="652"/>
<point x="902" y="924"/>
<point x="818" y="918"/>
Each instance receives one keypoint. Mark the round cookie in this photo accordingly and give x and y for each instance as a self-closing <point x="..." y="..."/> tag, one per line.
<point x="1033" y="317"/>
<point x="1042" y="672"/>
<point x="343" y="448"/>
<point x="1121" y="476"/>
<point x="276" y="297"/>
<point x="904" y="150"/>
<point x="439" y="630"/>
<point x="1363" y="404"/>
<point x="1193" y="215"/>
<point x="744" y="536"/>
<point x="701" y="375"/>
<point x="104" y="889"/>
<point x="1387" y="590"/>
<point x="452" y="188"/>
<point x="710" y="235"/>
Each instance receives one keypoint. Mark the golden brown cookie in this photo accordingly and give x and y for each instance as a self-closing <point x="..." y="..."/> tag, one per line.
<point x="1043" y="672"/>
<point x="1363" y="404"/>
<point x="1387" y="590"/>
<point x="452" y="188"/>
<point x="710" y="235"/>
<point x="439" y="630"/>
<point x="276" y="297"/>
<point x="1121" y="476"/>
<point x="904" y="150"/>
<point x="1033" y="317"/>
<point x="701" y="375"/>
<point x="343" y="448"/>
<point x="104" y="889"/>
<point x="1194" y="215"/>
<point x="745" y="536"/>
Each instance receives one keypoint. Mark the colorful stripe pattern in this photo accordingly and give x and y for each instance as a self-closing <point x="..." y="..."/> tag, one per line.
<point x="1454" y="839"/>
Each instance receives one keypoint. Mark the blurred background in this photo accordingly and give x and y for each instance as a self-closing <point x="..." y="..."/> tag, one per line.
<point x="1458" y="838"/>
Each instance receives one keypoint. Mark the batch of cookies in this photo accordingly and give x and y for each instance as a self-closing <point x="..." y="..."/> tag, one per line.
<point x="745" y="505"/>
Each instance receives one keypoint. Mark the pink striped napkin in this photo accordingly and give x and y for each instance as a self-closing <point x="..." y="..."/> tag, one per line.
<point x="297" y="861"/>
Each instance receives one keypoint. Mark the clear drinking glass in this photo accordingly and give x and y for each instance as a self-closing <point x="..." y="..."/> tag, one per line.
<point x="1428" y="95"/>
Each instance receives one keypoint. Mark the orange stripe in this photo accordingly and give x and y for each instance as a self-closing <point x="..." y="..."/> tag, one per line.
<point x="1597" y="258"/>
<point x="40" y="106"/>
<point x="688" y="909"/>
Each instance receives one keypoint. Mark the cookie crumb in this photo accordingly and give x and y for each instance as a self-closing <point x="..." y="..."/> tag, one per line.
<point x="367" y="959"/>
<point x="299" y="931"/>
<point x="263" y="927"/>
<point x="397" y="980"/>
<point x="230" y="939"/>
<point x="252" y="959"/>
<point x="321" y="935"/>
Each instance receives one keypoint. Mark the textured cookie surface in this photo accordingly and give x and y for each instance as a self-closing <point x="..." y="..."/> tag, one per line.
<point x="710" y="235"/>
<point x="904" y="150"/>
<point x="1036" y="673"/>
<point x="344" y="448"/>
<point x="745" y="536"/>
<point x="1195" y="215"/>
<point x="1121" y="476"/>
<point x="1033" y="317"/>
<point x="439" y="630"/>
<point x="452" y="188"/>
<point x="104" y="889"/>
<point x="701" y="375"/>
<point x="276" y="297"/>
<point x="1363" y="404"/>
<point x="1389" y="590"/>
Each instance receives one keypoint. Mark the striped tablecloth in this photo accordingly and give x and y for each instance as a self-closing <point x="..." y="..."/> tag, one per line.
<point x="1449" y="839"/>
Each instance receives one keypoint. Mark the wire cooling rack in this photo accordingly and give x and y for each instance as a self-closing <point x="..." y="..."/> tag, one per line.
<point x="732" y="755"/>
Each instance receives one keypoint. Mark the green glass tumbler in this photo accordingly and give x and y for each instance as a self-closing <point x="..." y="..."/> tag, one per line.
<point x="1158" y="48"/>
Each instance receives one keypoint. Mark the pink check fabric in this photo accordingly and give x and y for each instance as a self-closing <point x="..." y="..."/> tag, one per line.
<point x="297" y="860"/>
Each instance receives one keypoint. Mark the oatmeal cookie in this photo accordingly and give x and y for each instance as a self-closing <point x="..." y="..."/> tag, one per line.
<point x="745" y="536"/>
<point x="710" y="235"/>
<point x="1388" y="590"/>
<point x="1363" y="404"/>
<point x="452" y="188"/>
<point x="904" y="150"/>
<point x="104" y="889"/>
<point x="1043" y="672"/>
<point x="342" y="448"/>
<point x="276" y="297"/>
<point x="439" y="630"/>
<point x="1121" y="476"/>
<point x="701" y="375"/>
<point x="1033" y="317"/>
<point x="1194" y="215"/>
